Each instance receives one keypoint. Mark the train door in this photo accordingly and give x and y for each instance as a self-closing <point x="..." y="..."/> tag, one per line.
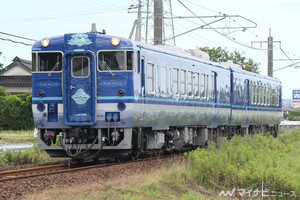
<point x="143" y="89"/>
<point x="79" y="89"/>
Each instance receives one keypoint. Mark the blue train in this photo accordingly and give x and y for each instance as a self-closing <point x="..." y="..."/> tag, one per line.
<point x="95" y="95"/>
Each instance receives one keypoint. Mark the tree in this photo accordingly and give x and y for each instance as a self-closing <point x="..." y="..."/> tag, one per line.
<point x="222" y="55"/>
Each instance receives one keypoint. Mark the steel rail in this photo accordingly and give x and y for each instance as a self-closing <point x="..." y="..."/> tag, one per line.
<point x="60" y="168"/>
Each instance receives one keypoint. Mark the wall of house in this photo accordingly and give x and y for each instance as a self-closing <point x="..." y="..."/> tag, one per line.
<point x="16" y="71"/>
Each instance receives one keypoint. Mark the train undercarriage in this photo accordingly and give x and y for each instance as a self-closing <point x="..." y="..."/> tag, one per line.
<point x="84" y="143"/>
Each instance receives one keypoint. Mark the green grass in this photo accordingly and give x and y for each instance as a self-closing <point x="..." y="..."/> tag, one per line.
<point x="8" y="137"/>
<point x="28" y="156"/>
<point x="249" y="162"/>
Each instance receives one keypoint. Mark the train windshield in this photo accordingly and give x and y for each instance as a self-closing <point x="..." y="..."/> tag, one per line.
<point x="115" y="60"/>
<point x="47" y="62"/>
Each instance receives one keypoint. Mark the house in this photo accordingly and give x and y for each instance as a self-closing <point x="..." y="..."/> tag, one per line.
<point x="16" y="77"/>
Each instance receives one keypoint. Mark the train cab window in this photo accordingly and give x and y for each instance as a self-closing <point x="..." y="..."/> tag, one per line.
<point x="48" y="62"/>
<point x="115" y="60"/>
<point x="150" y="78"/>
<point x="176" y="81"/>
<point x="183" y="82"/>
<point x="80" y="67"/>
<point x="190" y="83"/>
<point x="33" y="62"/>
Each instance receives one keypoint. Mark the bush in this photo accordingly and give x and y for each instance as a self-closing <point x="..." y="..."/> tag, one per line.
<point x="247" y="162"/>
<point x="15" y="111"/>
<point x="28" y="156"/>
<point x="294" y="116"/>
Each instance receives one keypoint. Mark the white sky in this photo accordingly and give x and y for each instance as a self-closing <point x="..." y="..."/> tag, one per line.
<point x="37" y="19"/>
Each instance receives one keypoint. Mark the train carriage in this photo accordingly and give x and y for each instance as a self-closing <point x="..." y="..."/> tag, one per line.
<point x="104" y="96"/>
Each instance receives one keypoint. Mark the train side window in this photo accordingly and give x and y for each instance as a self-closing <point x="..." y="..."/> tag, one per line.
<point x="261" y="95"/>
<point x="190" y="83"/>
<point x="80" y="67"/>
<point x="268" y="96"/>
<point x="206" y="85"/>
<point x="203" y="85"/>
<point x="235" y="91"/>
<point x="163" y="80"/>
<point x="169" y="80"/>
<point x="150" y="78"/>
<point x="246" y="91"/>
<point x="176" y="81"/>
<point x="254" y="94"/>
<point x="273" y="97"/>
<point x="257" y="94"/>
<point x="157" y="79"/>
<point x="213" y="80"/>
<point x="49" y="62"/>
<point x="196" y="85"/>
<point x="265" y="95"/>
<point x="129" y="59"/>
<point x="183" y="83"/>
<point x="277" y="96"/>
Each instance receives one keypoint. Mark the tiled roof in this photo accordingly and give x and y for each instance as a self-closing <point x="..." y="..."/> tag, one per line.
<point x="21" y="81"/>
<point x="27" y="63"/>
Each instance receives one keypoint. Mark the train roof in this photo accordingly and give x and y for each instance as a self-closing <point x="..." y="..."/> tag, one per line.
<point x="94" y="40"/>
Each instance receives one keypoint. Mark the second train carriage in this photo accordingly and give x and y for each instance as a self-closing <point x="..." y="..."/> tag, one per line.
<point x="111" y="96"/>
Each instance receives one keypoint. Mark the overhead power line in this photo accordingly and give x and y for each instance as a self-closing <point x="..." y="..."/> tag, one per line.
<point x="207" y="24"/>
<point x="25" y="38"/>
<point x="9" y="40"/>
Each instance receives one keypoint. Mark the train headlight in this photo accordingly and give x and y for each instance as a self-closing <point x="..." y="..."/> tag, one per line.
<point x="121" y="92"/>
<point x="115" y="41"/>
<point x="41" y="93"/>
<point x="45" y="42"/>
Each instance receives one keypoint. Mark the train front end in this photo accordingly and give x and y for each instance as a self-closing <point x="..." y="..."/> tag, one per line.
<point x="80" y="84"/>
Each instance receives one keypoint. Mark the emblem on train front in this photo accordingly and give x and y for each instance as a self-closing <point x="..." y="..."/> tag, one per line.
<point x="80" y="39"/>
<point x="80" y="97"/>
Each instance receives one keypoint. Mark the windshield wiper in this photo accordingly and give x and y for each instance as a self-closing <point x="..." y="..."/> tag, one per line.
<point x="107" y="67"/>
<point x="54" y="68"/>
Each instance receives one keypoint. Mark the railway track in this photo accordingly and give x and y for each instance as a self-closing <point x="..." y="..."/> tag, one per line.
<point x="46" y="170"/>
<point x="59" y="168"/>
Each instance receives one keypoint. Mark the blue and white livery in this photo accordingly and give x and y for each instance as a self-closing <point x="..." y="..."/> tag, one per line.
<point x="100" y="95"/>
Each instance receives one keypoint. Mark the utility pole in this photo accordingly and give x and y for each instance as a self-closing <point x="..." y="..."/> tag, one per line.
<point x="270" y="43"/>
<point x="270" y="54"/>
<point x="138" y="33"/>
<point x="158" y="22"/>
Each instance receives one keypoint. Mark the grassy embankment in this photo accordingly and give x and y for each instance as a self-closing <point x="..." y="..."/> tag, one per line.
<point x="243" y="167"/>
<point x="8" y="137"/>
<point x="28" y="156"/>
